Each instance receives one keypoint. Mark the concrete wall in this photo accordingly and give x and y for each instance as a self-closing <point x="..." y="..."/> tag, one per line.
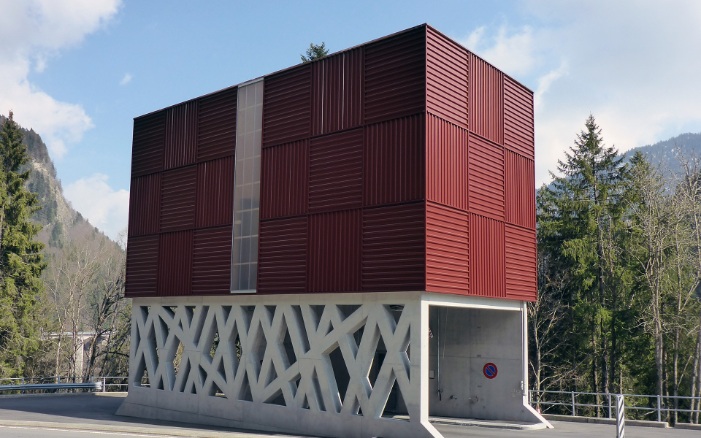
<point x="463" y="341"/>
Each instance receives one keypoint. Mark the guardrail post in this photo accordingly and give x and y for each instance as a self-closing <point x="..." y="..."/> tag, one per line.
<point x="104" y="384"/>
<point x="574" y="408"/>
<point x="659" y="408"/>
<point x="610" y="406"/>
<point x="620" y="417"/>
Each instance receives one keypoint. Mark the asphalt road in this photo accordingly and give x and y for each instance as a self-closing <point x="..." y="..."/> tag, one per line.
<point x="92" y="415"/>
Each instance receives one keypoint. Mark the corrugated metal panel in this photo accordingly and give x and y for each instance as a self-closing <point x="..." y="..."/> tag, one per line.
<point x="144" y="204"/>
<point x="446" y="163"/>
<point x="518" y="118"/>
<point x="394" y="161"/>
<point x="215" y="193"/>
<point x="394" y="257"/>
<point x="446" y="78"/>
<point x="486" y="257"/>
<point x="485" y="178"/>
<point x="148" y="143"/>
<point x="519" y="190"/>
<point x="178" y="192"/>
<point x="142" y="266"/>
<point x="447" y="250"/>
<point x="175" y="267"/>
<point x="282" y="256"/>
<point x="336" y="171"/>
<point x="284" y="180"/>
<point x="485" y="100"/>
<point x="335" y="241"/>
<point x="521" y="280"/>
<point x="287" y="106"/>
<point x="181" y="135"/>
<point x="216" y="127"/>
<point x="211" y="261"/>
<point x="337" y="97"/>
<point x="395" y="76"/>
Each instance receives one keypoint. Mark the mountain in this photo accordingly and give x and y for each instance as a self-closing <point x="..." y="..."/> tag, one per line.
<point x="60" y="222"/>
<point x="670" y="155"/>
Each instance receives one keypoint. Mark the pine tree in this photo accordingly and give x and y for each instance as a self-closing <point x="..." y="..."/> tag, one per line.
<point x="315" y="51"/>
<point x="580" y="229"/>
<point x="21" y="260"/>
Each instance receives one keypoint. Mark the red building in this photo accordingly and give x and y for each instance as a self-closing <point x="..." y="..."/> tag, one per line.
<point x="399" y="173"/>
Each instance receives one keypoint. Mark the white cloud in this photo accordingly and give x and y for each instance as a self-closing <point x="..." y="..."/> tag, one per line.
<point x="104" y="207"/>
<point x="31" y="32"/>
<point x="632" y="64"/>
<point x="126" y="79"/>
<point x="513" y="51"/>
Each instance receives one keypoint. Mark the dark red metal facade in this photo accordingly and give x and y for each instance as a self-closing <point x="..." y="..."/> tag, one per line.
<point x="447" y="250"/>
<point x="287" y="106"/>
<point x="395" y="161"/>
<point x="485" y="100"/>
<point x="446" y="163"/>
<point x="338" y="92"/>
<point x="446" y="79"/>
<point x="285" y="180"/>
<point x="336" y="171"/>
<point x="405" y="164"/>
<point x="394" y="248"/>
<point x="395" y="76"/>
<point x="216" y="125"/>
<point x="335" y="249"/>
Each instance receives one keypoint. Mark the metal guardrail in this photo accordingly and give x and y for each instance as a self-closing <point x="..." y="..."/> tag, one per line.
<point x="91" y="386"/>
<point x="573" y="400"/>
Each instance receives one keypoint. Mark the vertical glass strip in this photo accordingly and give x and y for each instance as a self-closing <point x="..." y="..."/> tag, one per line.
<point x="249" y="126"/>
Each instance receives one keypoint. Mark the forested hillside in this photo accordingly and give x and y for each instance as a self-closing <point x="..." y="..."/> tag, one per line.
<point x="619" y="252"/>
<point x="81" y="296"/>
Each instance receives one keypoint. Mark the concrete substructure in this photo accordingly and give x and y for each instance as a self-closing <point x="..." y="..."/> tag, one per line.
<point x="329" y="364"/>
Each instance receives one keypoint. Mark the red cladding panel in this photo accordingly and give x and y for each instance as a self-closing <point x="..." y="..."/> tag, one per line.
<point x="287" y="105"/>
<point x="486" y="178"/>
<point x="394" y="161"/>
<point x="520" y="190"/>
<point x="486" y="257"/>
<point x="211" y="261"/>
<point x="147" y="147"/>
<point x="447" y="250"/>
<point x="521" y="280"/>
<point x="446" y="78"/>
<point x="178" y="190"/>
<point x="145" y="204"/>
<point x="216" y="130"/>
<point x="335" y="247"/>
<point x="142" y="266"/>
<point x="486" y="100"/>
<point x="282" y="256"/>
<point x="215" y="193"/>
<point x="175" y="267"/>
<point x="395" y="76"/>
<point x="394" y="257"/>
<point x="446" y="156"/>
<point x="518" y="118"/>
<point x="181" y="135"/>
<point x="338" y="92"/>
<point x="336" y="171"/>
<point x="284" y="180"/>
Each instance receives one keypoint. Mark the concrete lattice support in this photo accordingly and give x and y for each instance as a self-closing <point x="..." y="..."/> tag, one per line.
<point x="328" y="365"/>
<point x="299" y="363"/>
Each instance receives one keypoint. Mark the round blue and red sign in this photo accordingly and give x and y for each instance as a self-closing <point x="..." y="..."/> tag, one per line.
<point x="490" y="370"/>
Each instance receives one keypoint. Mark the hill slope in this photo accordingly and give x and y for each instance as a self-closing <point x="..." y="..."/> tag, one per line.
<point x="60" y="221"/>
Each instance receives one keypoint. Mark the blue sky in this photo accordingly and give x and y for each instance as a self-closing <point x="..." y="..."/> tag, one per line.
<point x="79" y="71"/>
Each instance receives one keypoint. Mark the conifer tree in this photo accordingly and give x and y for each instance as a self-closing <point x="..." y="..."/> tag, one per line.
<point x="21" y="260"/>
<point x="315" y="51"/>
<point x="580" y="227"/>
